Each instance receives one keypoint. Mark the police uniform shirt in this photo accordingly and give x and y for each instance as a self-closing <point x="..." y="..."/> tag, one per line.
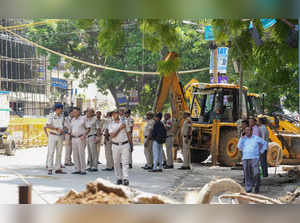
<point x="92" y="124"/>
<point x="168" y="125"/>
<point x="78" y="126"/>
<point x="148" y="127"/>
<point x="122" y="135"/>
<point x="67" y="123"/>
<point x="185" y="128"/>
<point x="56" y="121"/>
<point x="129" y="123"/>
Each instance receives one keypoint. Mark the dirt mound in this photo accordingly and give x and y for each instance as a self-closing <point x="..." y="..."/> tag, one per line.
<point x="104" y="192"/>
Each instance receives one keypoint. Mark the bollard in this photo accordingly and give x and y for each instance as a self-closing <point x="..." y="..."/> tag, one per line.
<point x="25" y="194"/>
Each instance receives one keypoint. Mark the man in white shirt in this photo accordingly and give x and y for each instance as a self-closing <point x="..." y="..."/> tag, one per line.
<point x="108" y="144"/>
<point x="55" y="124"/>
<point x="79" y="132"/>
<point x="68" y="143"/>
<point x="120" y="148"/>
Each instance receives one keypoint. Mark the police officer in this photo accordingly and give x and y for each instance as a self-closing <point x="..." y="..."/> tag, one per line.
<point x="129" y="124"/>
<point x="91" y="122"/>
<point x="148" y="141"/>
<point x="169" y="140"/>
<point x="186" y="134"/>
<point x="100" y="124"/>
<point x="108" y="144"/>
<point x="120" y="146"/>
<point x="68" y="143"/>
<point x="79" y="132"/>
<point x="55" y="124"/>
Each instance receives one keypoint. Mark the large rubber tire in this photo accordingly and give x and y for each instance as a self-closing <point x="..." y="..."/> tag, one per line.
<point x="199" y="156"/>
<point x="229" y="154"/>
<point x="10" y="148"/>
<point x="274" y="149"/>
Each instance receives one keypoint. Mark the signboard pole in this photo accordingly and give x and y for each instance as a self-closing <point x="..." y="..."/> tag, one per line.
<point x="240" y="90"/>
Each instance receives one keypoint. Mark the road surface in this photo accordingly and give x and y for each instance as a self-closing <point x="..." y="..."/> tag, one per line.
<point x="30" y="164"/>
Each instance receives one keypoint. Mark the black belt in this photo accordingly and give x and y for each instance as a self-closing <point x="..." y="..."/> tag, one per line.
<point x="121" y="143"/>
<point x="55" y="134"/>
<point x="186" y="136"/>
<point x="169" y="136"/>
<point x="76" y="136"/>
<point x="92" y="135"/>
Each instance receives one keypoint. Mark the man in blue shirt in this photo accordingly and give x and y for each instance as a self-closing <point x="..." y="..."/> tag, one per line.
<point x="251" y="147"/>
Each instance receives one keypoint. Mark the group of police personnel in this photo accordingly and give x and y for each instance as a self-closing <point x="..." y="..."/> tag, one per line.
<point x="78" y="131"/>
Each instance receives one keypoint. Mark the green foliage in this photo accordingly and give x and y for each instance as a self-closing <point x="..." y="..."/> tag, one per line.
<point x="270" y="68"/>
<point x="166" y="67"/>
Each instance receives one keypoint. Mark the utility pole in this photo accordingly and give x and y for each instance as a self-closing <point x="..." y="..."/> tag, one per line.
<point x="299" y="62"/>
<point x="215" y="65"/>
<point x="240" y="90"/>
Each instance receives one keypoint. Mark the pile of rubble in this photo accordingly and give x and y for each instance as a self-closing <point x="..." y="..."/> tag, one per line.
<point x="104" y="192"/>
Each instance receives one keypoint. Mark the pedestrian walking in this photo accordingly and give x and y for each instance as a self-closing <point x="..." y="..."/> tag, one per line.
<point x="251" y="147"/>
<point x="55" y="126"/>
<point x="158" y="135"/>
<point x="108" y="144"/>
<point x="91" y="123"/>
<point x="79" y="132"/>
<point x="120" y="146"/>
<point x="148" y="141"/>
<point x="169" y="140"/>
<point x="186" y="134"/>
<point x="129" y="123"/>
<point x="265" y="135"/>
<point x="68" y="141"/>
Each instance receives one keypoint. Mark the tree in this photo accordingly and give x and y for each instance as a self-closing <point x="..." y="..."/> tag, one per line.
<point x="125" y="45"/>
<point x="270" y="68"/>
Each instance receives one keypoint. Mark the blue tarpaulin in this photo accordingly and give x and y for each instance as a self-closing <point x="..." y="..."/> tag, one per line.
<point x="267" y="23"/>
<point x="208" y="33"/>
<point x="60" y="83"/>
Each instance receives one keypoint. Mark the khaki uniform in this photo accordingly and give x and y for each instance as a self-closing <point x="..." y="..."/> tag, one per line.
<point x="169" y="141"/>
<point x="68" y="144"/>
<point x="108" y="146"/>
<point x="120" y="149"/>
<point x="55" y="141"/>
<point x="100" y="125"/>
<point x="91" y="145"/>
<point x="148" y="147"/>
<point x="78" y="128"/>
<point x="186" y="142"/>
<point x="130" y="124"/>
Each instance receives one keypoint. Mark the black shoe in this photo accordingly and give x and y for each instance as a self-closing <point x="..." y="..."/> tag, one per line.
<point x="184" y="168"/>
<point x="76" y="172"/>
<point x="60" y="172"/>
<point x="94" y="170"/>
<point x="159" y="170"/>
<point x="125" y="182"/>
<point x="89" y="169"/>
<point x="147" y="168"/>
<point x="154" y="171"/>
<point x="99" y="162"/>
<point x="108" y="169"/>
<point x="169" y="167"/>
<point x="256" y="190"/>
<point x="69" y="164"/>
<point x="248" y="191"/>
<point x="82" y="173"/>
<point x="49" y="172"/>
<point x="130" y="166"/>
<point x="119" y="182"/>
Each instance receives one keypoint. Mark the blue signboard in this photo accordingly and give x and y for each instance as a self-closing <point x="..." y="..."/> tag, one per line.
<point x="222" y="60"/>
<point x="267" y="23"/>
<point x="208" y="33"/>
<point x="60" y="83"/>
<point x="122" y="99"/>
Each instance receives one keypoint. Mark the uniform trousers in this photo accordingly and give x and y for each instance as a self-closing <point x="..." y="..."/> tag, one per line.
<point x="109" y="155"/>
<point x="92" y="151"/>
<point x="186" y="152"/>
<point x="55" y="145"/>
<point x="169" y="146"/>
<point x="148" y="153"/>
<point x="264" y="164"/>
<point x="251" y="174"/>
<point x="68" y="149"/>
<point x="78" y="147"/>
<point x="99" y="147"/>
<point x="121" y="155"/>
